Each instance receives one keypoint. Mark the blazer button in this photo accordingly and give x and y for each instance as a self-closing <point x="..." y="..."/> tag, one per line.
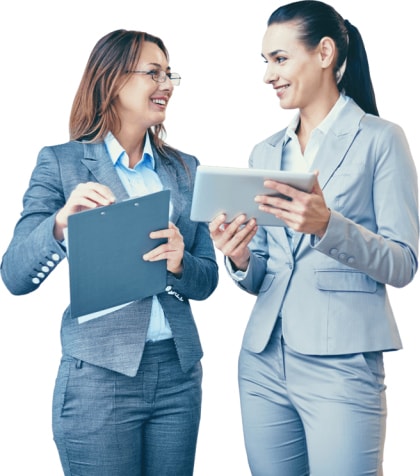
<point x="50" y="263"/>
<point x="55" y="257"/>
<point x="333" y="251"/>
<point x="45" y="269"/>
<point x="350" y="260"/>
<point x="36" y="280"/>
<point x="40" y="275"/>
<point x="342" y="256"/>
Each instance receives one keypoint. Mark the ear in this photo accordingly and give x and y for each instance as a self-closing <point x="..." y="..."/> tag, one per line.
<point x="327" y="51"/>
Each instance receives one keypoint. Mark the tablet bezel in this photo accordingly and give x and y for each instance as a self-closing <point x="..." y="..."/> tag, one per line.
<point x="231" y="190"/>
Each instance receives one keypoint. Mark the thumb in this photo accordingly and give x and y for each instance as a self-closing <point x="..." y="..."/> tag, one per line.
<point x="316" y="188"/>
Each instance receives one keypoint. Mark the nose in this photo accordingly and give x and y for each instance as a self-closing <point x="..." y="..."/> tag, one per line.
<point x="270" y="74"/>
<point x="167" y="84"/>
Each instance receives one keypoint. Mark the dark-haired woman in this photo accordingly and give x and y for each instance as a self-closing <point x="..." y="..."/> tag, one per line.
<point x="127" y="399"/>
<point x="311" y="373"/>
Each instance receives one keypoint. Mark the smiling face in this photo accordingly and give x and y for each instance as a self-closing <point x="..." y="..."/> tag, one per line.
<point x="299" y="76"/>
<point x="142" y="101"/>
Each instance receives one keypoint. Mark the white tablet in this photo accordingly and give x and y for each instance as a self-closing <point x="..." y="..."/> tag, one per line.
<point x="232" y="190"/>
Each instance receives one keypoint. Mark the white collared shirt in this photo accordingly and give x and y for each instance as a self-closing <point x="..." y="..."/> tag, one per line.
<point x="292" y="157"/>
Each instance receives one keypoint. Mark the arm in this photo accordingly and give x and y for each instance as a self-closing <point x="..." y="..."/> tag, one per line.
<point x="37" y="244"/>
<point x="33" y="242"/>
<point x="387" y="249"/>
<point x="199" y="276"/>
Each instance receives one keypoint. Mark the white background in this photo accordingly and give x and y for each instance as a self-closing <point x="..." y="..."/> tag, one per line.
<point x="221" y="109"/>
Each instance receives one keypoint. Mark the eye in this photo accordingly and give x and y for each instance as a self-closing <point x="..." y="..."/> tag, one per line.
<point x="153" y="72"/>
<point x="280" y="59"/>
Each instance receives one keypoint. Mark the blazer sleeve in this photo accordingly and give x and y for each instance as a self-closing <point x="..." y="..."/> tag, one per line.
<point x="200" y="270"/>
<point x="385" y="249"/>
<point x="33" y="252"/>
<point x="200" y="273"/>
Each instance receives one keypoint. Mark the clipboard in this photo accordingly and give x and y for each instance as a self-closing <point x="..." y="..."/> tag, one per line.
<point x="105" y="249"/>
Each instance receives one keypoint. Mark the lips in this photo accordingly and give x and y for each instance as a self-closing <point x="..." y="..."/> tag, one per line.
<point x="160" y="101"/>
<point x="281" y="89"/>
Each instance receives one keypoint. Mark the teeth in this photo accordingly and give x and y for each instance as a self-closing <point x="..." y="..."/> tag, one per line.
<point x="159" y="101"/>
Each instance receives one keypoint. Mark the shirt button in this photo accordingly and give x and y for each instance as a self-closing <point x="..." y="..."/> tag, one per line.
<point x="333" y="251"/>
<point x="350" y="260"/>
<point x="40" y="275"/>
<point x="45" y="269"/>
<point x="55" y="257"/>
<point x="342" y="256"/>
<point x="36" y="280"/>
<point x="50" y="263"/>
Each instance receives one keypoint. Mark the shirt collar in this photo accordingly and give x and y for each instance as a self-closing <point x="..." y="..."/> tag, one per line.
<point x="325" y="124"/>
<point x="116" y="150"/>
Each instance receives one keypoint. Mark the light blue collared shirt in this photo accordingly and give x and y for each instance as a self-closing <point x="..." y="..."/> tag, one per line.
<point x="141" y="180"/>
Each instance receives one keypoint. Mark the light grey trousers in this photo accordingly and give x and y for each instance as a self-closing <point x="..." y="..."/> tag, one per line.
<point x="312" y="415"/>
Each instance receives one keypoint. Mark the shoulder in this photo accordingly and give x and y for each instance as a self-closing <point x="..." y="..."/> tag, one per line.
<point x="274" y="140"/>
<point x="182" y="160"/>
<point x="353" y="115"/>
<point x="189" y="159"/>
<point x="378" y="125"/>
<point x="70" y="146"/>
<point x="72" y="152"/>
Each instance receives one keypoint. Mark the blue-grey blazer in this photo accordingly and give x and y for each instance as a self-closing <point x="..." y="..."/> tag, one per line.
<point x="114" y="341"/>
<point x="331" y="292"/>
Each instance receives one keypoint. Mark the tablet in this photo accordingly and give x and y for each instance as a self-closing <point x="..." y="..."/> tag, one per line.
<point x="232" y="190"/>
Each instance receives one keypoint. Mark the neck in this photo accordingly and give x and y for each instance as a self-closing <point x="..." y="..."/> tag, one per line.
<point x="312" y="115"/>
<point x="133" y="143"/>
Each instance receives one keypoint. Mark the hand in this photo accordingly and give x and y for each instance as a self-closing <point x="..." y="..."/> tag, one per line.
<point x="172" y="250"/>
<point x="232" y="239"/>
<point x="84" y="197"/>
<point x="305" y="212"/>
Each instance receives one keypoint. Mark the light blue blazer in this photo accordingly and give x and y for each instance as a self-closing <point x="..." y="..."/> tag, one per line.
<point x="114" y="341"/>
<point x="331" y="292"/>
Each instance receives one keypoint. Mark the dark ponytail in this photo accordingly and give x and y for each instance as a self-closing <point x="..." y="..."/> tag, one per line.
<point x="356" y="80"/>
<point x="315" y="20"/>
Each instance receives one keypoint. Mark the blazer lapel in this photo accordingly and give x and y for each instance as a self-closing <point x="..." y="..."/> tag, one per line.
<point x="168" y="174"/>
<point x="337" y="142"/>
<point x="97" y="160"/>
<point x="334" y="148"/>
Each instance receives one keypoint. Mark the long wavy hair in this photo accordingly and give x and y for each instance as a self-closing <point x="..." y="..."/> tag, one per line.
<point x="315" y="20"/>
<point x="93" y="112"/>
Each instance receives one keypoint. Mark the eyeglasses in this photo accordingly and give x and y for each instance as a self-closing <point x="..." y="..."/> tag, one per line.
<point x="161" y="76"/>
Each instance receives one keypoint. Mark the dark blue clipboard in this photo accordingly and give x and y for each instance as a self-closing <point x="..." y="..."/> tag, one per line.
<point x="105" y="249"/>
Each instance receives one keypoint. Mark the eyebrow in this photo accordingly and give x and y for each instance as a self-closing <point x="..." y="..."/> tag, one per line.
<point x="274" y="53"/>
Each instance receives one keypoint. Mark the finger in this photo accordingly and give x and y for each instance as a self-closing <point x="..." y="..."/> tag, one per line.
<point x="96" y="195"/>
<point x="286" y="191"/>
<point x="216" y="223"/>
<point x="161" y="252"/>
<point x="235" y="225"/>
<point x="101" y="190"/>
<point x="240" y="239"/>
<point x="317" y="188"/>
